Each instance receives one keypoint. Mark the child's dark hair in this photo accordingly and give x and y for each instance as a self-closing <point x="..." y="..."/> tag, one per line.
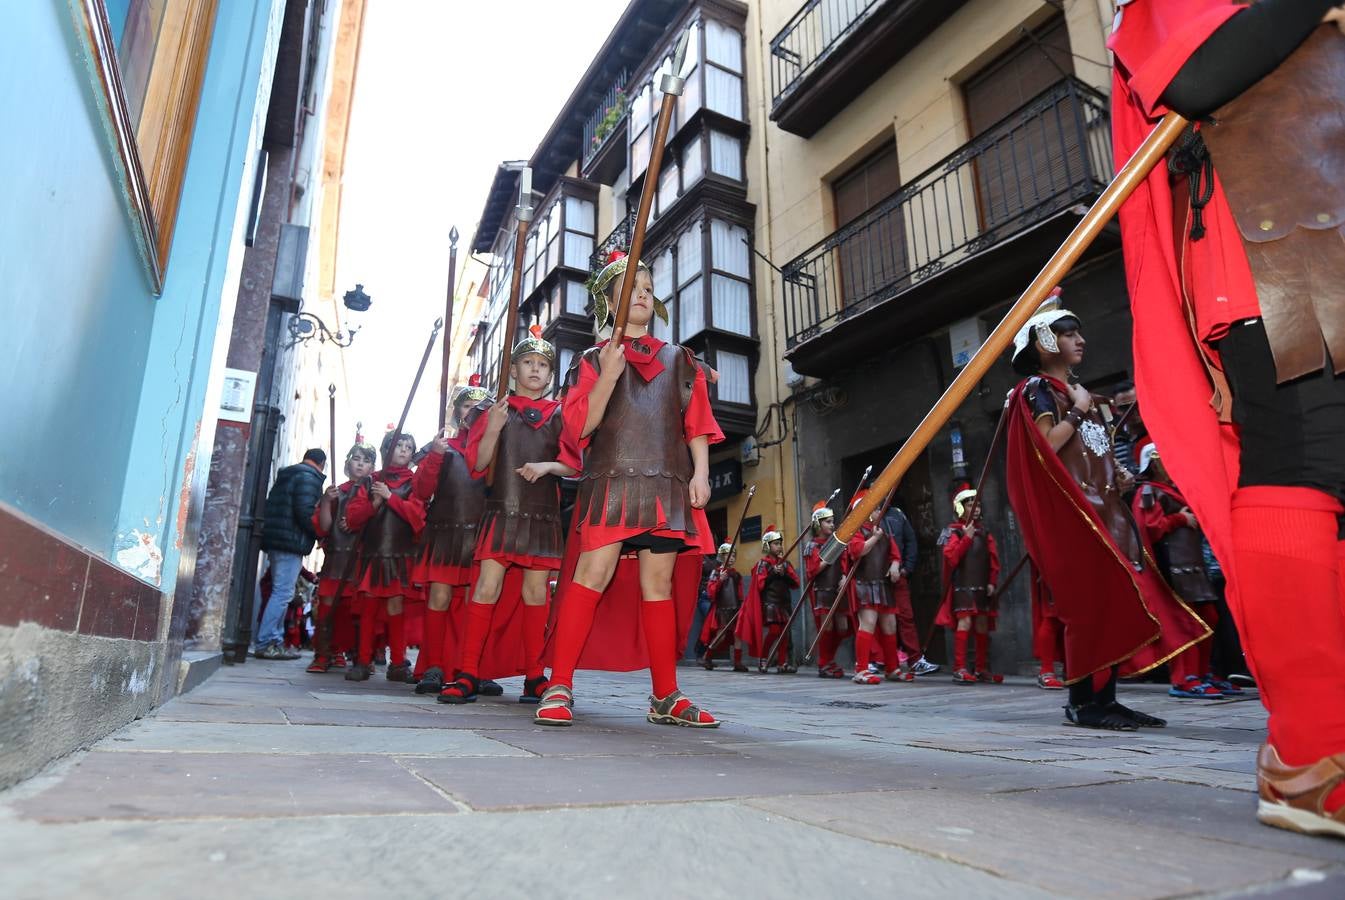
<point x="386" y="447"/>
<point x="1028" y="362"/>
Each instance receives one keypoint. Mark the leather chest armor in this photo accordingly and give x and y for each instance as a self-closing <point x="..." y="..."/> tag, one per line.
<point x="727" y="599"/>
<point x="455" y="513"/>
<point x="637" y="460"/>
<point x="339" y="544"/>
<point x="873" y="565"/>
<point x="973" y="572"/>
<point x="523" y="518"/>
<point x="1087" y="457"/>
<point x="389" y="544"/>
<point x="1279" y="151"/>
<point x="1181" y="554"/>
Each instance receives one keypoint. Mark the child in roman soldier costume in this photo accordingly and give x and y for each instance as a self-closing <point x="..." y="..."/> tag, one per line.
<point x="392" y="518"/>
<point x="637" y="411"/>
<point x="826" y="581"/>
<point x="878" y="597"/>
<point x="338" y="546"/>
<point x="519" y="441"/>
<point x="970" y="577"/>
<point x="1172" y="531"/>
<point x="1236" y="273"/>
<point x="725" y="589"/>
<point x="1119" y="616"/>
<point x="768" y="603"/>
<point x="456" y="501"/>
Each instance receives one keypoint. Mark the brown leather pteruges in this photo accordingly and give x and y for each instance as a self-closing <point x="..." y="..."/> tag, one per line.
<point x="452" y="520"/>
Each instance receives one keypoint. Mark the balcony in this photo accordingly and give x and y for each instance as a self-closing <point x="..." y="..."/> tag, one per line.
<point x="969" y="232"/>
<point x="604" y="134"/>
<point x="832" y="50"/>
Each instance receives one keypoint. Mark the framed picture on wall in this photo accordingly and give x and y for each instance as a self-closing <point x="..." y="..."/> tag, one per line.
<point x="147" y="60"/>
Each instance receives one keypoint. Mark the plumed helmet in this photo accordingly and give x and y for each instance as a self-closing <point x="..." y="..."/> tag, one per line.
<point x="1039" y="326"/>
<point x="472" y="391"/>
<point x="771" y="534"/>
<point x="362" y="448"/>
<point x="724" y="550"/>
<point x="960" y="501"/>
<point x="822" y="511"/>
<point x="1147" y="454"/>
<point x="616" y="265"/>
<point x="534" y="343"/>
<point x="385" y="446"/>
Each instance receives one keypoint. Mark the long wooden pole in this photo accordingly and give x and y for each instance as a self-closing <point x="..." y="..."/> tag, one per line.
<point x="1149" y="155"/>
<point x="671" y="85"/>
<point x="406" y="410"/>
<point x="448" y="326"/>
<point x="523" y="214"/>
<point x="331" y="422"/>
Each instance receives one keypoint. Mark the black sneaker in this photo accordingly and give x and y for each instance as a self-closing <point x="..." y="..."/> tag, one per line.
<point x="431" y="682"/>
<point x="489" y="688"/>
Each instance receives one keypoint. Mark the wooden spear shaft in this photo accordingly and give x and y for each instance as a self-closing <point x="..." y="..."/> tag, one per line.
<point x="672" y="86"/>
<point x="331" y="422"/>
<point x="448" y="326"/>
<point x="1150" y="154"/>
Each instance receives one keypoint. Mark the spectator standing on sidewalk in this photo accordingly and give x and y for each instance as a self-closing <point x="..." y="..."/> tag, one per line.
<point x="899" y="526"/>
<point x="287" y="537"/>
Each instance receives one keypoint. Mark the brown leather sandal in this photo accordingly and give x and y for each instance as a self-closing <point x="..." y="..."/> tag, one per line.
<point x="661" y="712"/>
<point x="1294" y="797"/>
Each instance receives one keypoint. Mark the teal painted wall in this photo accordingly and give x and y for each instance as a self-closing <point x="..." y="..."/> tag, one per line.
<point x="106" y="384"/>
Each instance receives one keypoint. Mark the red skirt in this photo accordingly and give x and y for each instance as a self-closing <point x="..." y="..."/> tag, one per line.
<point x="435" y="573"/>
<point x="522" y="560"/>
<point x="327" y="587"/>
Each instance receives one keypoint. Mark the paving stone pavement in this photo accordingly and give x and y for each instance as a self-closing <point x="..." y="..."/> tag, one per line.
<point x="271" y="781"/>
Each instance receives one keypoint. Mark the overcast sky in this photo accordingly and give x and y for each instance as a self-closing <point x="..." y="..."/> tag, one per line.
<point x="445" y="92"/>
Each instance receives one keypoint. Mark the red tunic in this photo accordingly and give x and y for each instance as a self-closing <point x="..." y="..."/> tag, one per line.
<point x="1112" y="614"/>
<point x="752" y="620"/>
<point x="954" y="550"/>
<point x="1151" y="44"/>
<point x="327" y="586"/>
<point x="854" y="551"/>
<point x="616" y="641"/>
<point x="410" y="509"/>
<point x="545" y="409"/>
<point x="424" y="484"/>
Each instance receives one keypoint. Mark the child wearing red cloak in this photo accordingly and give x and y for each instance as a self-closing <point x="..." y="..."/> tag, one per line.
<point x="637" y="413"/>
<point x="338" y="544"/>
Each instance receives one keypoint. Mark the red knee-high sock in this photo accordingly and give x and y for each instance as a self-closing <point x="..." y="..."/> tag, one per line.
<point x="982" y="652"/>
<point x="396" y="639"/>
<point x="889" y="644"/>
<point x="658" y="621"/>
<point x="863" y="644"/>
<point x="826" y="649"/>
<point x="534" y="637"/>
<point x="365" y="626"/>
<point x="479" y="616"/>
<point x="772" y="635"/>
<point x="573" y="623"/>
<point x="432" y="653"/>
<point x="1210" y="613"/>
<point x="320" y="613"/>
<point x="1046" y="644"/>
<point x="960" y="649"/>
<point x="782" y="654"/>
<point x="1290" y="617"/>
<point x="737" y="655"/>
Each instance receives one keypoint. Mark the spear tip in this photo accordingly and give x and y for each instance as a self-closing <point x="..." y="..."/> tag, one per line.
<point x="453" y="236"/>
<point x="438" y="323"/>
<point x="331" y="389"/>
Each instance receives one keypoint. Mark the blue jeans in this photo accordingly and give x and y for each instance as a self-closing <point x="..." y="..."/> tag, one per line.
<point x="285" y="569"/>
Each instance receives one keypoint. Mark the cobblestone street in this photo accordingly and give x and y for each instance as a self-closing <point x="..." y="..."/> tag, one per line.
<point x="811" y="787"/>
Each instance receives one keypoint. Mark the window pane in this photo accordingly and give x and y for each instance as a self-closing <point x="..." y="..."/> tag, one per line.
<point x="639" y="154"/>
<point x="576" y="298"/>
<point x="690" y="101"/>
<point x="730" y="306"/>
<point x="667" y="188"/>
<point x="692" y="302"/>
<point x="663" y="275"/>
<point x="728" y="248"/>
<point x="639" y="109"/>
<point x="723" y="45"/>
<point x="734" y="378"/>
<point x="579" y="215"/>
<point x="552" y="254"/>
<point x="578" y="248"/>
<point x="558" y="377"/>
<point x="726" y="155"/>
<point x="723" y="92"/>
<point x="689" y="263"/>
<point x="693" y="167"/>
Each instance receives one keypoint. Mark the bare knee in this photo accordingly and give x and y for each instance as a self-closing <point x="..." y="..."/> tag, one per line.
<point x="594" y="568"/>
<point x="488" y="582"/>
<point x="394" y="606"/>
<point x="440" y="595"/>
<point x="534" y="587"/>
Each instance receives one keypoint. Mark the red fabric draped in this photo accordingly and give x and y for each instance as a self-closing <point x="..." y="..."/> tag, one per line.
<point x="1112" y="615"/>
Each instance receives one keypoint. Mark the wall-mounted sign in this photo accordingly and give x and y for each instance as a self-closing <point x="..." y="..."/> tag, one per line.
<point x="751" y="529"/>
<point x="235" y="403"/>
<point x="726" y="479"/>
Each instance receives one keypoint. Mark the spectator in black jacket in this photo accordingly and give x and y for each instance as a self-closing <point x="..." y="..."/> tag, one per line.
<point x="287" y="538"/>
<point x="899" y="527"/>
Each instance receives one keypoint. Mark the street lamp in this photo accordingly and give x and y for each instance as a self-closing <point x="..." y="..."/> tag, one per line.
<point x="305" y="326"/>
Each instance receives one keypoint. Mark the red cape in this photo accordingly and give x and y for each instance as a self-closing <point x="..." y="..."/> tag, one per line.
<point x="752" y="620"/>
<point x="1112" y="615"/>
<point x="616" y="641"/>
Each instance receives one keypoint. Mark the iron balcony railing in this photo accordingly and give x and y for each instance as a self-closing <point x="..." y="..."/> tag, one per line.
<point x="617" y="239"/>
<point x="808" y="39"/>
<point x="603" y="122"/>
<point x="1052" y="153"/>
